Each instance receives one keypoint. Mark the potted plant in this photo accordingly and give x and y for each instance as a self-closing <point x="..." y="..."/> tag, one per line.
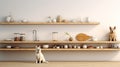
<point x="70" y="37"/>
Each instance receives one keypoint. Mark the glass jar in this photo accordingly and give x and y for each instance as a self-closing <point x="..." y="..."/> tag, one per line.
<point x="16" y="37"/>
<point x="54" y="36"/>
<point x="22" y="36"/>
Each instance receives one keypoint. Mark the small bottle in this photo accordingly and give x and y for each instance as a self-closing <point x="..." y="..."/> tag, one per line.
<point x="54" y="36"/>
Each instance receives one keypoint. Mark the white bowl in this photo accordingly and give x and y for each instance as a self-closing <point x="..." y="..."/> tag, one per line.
<point x="45" y="46"/>
<point x="8" y="46"/>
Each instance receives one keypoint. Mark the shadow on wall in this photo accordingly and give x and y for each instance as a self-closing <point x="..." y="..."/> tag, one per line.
<point x="61" y="55"/>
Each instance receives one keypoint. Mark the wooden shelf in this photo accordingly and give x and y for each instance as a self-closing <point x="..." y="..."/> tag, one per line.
<point x="53" y="49"/>
<point x="46" y="23"/>
<point x="17" y="49"/>
<point x="58" y="42"/>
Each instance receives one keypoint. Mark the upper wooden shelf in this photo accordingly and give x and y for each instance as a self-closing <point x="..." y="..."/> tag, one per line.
<point x="59" y="42"/>
<point x="61" y="49"/>
<point x="46" y="23"/>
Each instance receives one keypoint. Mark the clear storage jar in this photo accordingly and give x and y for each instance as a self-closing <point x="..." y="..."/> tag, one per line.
<point x="55" y="36"/>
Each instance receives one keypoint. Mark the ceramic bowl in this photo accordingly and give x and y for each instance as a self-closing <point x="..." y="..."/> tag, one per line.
<point x="8" y="46"/>
<point x="46" y="46"/>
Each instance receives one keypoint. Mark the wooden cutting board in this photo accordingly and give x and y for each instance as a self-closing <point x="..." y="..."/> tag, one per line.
<point x="82" y="37"/>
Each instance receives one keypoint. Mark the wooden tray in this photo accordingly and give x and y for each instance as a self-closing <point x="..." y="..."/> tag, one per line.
<point x="82" y="37"/>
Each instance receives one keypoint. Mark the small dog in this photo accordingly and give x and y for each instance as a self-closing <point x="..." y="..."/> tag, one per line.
<point x="112" y="35"/>
<point x="39" y="55"/>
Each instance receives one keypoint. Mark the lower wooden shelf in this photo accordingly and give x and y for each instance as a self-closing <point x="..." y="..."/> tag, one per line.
<point x="59" y="42"/>
<point x="61" y="49"/>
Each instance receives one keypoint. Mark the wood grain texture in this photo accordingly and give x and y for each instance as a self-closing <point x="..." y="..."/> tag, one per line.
<point x="53" y="49"/>
<point x="60" y="42"/>
<point x="46" y="23"/>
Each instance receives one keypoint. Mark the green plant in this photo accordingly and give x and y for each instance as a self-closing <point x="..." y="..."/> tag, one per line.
<point x="70" y="37"/>
<point x="67" y="34"/>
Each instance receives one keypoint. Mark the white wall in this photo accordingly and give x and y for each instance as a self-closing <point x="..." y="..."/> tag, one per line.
<point x="107" y="12"/>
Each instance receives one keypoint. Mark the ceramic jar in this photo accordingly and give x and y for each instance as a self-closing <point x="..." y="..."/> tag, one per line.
<point x="65" y="46"/>
<point x="84" y="46"/>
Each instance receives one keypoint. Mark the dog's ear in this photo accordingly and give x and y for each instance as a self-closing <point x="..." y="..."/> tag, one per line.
<point x="114" y="27"/>
<point x="110" y="28"/>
